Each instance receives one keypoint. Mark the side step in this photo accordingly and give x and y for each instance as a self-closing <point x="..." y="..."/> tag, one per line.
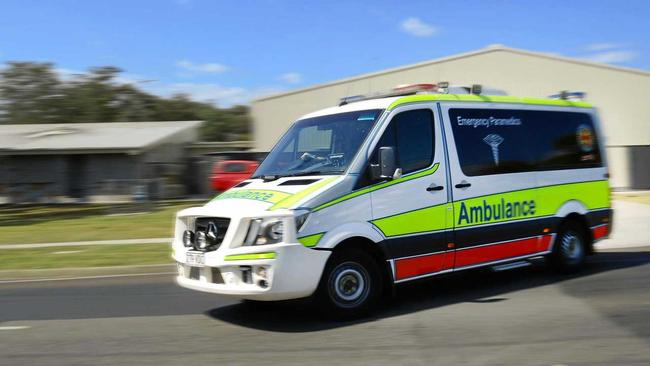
<point x="511" y="265"/>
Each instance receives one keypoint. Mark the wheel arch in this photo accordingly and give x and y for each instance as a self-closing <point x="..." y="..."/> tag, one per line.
<point x="376" y="252"/>
<point x="576" y="211"/>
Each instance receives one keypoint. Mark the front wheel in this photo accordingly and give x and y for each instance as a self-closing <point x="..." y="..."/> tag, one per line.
<point x="570" y="249"/>
<point x="350" y="285"/>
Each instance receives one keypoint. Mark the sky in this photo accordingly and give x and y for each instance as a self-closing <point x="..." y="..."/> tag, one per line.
<point x="229" y="52"/>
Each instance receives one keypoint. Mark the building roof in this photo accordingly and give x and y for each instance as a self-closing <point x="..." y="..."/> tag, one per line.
<point x="88" y="137"/>
<point x="488" y="49"/>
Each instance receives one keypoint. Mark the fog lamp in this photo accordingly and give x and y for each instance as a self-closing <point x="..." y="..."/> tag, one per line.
<point x="188" y="238"/>
<point x="201" y="240"/>
<point x="261" y="272"/>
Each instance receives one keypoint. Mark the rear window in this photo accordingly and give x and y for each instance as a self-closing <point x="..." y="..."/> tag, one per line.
<point x="499" y="141"/>
<point x="235" y="168"/>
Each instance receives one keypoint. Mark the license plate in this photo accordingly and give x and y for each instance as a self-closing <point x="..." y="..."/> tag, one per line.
<point x="195" y="259"/>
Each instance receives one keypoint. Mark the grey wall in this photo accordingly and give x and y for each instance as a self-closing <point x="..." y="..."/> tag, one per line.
<point x="639" y="166"/>
<point x="43" y="177"/>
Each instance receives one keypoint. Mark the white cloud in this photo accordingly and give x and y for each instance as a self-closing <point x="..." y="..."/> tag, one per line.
<point x="610" y="53"/>
<point x="612" y="57"/>
<point x="207" y="68"/>
<point x="69" y="74"/>
<point x="223" y="96"/>
<point x="416" y="27"/>
<point x="291" y="78"/>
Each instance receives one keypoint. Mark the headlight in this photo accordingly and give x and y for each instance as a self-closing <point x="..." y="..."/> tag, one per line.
<point x="275" y="230"/>
<point x="264" y="231"/>
<point x="301" y="217"/>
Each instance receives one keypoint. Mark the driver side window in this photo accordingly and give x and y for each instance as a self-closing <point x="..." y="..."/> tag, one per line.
<point x="410" y="133"/>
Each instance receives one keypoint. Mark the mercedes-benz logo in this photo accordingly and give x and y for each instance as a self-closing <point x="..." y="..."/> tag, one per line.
<point x="212" y="231"/>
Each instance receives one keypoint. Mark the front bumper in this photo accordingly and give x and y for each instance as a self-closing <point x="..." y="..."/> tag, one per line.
<point x="293" y="272"/>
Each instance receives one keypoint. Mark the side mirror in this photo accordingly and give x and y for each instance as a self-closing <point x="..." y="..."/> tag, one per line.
<point x="387" y="167"/>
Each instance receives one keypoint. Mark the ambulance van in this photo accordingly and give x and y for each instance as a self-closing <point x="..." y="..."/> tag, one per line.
<point x="390" y="188"/>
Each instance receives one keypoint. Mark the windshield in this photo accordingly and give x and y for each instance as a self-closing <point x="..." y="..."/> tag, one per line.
<point x="319" y="145"/>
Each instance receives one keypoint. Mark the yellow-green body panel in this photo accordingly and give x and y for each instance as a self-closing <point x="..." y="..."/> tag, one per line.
<point x="263" y="195"/>
<point x="485" y="98"/>
<point x="548" y="200"/>
<point x="242" y="257"/>
<point x="311" y="240"/>
<point x="297" y="197"/>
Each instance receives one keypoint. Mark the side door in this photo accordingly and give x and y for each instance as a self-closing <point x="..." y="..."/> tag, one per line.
<point x="493" y="183"/>
<point x="413" y="212"/>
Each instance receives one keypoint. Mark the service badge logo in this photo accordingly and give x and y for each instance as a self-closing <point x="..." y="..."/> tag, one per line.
<point x="494" y="141"/>
<point x="585" y="137"/>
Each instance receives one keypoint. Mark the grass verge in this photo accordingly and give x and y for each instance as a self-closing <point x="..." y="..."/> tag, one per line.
<point x="85" y="256"/>
<point x="45" y="224"/>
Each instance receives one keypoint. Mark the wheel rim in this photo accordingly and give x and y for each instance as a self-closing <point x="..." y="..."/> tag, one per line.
<point x="571" y="246"/>
<point x="349" y="284"/>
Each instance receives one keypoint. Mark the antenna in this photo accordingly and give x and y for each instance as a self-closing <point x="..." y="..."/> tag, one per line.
<point x="569" y="95"/>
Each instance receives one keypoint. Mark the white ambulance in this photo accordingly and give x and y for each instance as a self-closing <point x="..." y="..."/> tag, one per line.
<point x="384" y="189"/>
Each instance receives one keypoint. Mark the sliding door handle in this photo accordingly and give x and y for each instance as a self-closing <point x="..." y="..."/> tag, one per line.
<point x="463" y="185"/>
<point x="434" y="187"/>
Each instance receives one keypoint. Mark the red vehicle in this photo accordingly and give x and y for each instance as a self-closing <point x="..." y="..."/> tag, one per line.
<point x="227" y="173"/>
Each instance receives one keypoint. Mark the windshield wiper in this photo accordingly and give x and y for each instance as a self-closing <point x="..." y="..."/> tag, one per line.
<point x="314" y="172"/>
<point x="271" y="177"/>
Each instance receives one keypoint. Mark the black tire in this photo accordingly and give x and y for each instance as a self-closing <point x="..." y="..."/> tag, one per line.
<point x="570" y="248"/>
<point x="350" y="286"/>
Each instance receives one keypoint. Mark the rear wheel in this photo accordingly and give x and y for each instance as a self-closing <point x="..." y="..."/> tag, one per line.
<point x="350" y="285"/>
<point x="570" y="247"/>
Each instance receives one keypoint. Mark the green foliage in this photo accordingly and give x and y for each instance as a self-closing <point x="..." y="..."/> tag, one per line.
<point x="32" y="92"/>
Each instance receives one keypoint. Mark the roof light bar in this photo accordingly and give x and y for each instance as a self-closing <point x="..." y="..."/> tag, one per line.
<point x="404" y="89"/>
<point x="352" y="99"/>
<point x="414" y="88"/>
<point x="442" y="87"/>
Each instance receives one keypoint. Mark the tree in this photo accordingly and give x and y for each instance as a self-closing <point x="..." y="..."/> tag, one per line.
<point x="33" y="93"/>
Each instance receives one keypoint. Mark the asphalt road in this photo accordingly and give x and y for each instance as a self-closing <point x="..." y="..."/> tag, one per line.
<point x="529" y="316"/>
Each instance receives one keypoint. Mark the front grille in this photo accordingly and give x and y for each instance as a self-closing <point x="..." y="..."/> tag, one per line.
<point x="220" y="225"/>
<point x="216" y="276"/>
<point x="195" y="273"/>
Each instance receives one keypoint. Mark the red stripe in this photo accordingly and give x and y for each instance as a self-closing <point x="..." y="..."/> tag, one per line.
<point x="600" y="231"/>
<point x="411" y="267"/>
<point x="546" y="242"/>
<point x="496" y="252"/>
